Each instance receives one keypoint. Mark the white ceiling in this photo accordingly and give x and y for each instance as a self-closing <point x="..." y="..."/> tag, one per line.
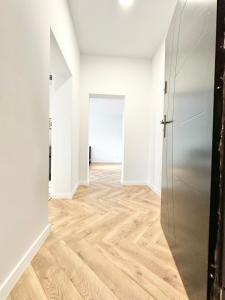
<point x="104" y="27"/>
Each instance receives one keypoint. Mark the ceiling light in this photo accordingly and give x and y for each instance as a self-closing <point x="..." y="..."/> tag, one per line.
<point x="126" y="3"/>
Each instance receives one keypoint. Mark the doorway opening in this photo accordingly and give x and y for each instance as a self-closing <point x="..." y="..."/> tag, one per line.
<point x="60" y="127"/>
<point x="106" y="138"/>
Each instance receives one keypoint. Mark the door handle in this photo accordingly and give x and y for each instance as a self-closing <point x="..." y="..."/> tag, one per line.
<point x="164" y="122"/>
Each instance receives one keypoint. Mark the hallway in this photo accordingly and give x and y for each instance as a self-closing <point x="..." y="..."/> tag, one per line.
<point x="106" y="243"/>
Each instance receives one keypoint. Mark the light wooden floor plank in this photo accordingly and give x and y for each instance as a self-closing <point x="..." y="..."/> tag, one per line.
<point x="106" y="244"/>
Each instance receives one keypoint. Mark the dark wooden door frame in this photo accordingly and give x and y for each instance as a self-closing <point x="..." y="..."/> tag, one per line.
<point x="216" y="273"/>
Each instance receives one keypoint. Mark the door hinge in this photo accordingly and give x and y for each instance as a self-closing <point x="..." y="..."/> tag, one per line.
<point x="50" y="77"/>
<point x="165" y="87"/>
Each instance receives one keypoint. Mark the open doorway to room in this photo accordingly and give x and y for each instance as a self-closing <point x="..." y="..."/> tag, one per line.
<point x="106" y="138"/>
<point x="60" y="107"/>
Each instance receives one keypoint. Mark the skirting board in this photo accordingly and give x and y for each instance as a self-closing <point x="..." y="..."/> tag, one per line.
<point x="154" y="189"/>
<point x="16" y="273"/>
<point x="67" y="196"/>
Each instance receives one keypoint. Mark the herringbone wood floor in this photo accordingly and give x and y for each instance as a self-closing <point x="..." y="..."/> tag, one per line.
<point x="106" y="244"/>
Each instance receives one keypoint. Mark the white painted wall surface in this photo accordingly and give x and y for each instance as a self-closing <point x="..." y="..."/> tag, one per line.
<point x="106" y="129"/>
<point x="63" y="29"/>
<point x="61" y="110"/>
<point x="156" y="133"/>
<point x="24" y="106"/>
<point x="119" y="76"/>
<point x="58" y="65"/>
<point x="61" y="141"/>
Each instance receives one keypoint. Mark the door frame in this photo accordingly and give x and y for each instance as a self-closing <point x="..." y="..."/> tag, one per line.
<point x="216" y="263"/>
<point x="110" y="96"/>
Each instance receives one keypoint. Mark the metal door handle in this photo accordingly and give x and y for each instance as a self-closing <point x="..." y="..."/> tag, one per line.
<point x="164" y="122"/>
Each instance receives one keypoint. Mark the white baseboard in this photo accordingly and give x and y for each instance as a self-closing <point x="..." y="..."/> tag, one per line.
<point x="154" y="189"/>
<point x="18" y="270"/>
<point x="125" y="182"/>
<point x="67" y="196"/>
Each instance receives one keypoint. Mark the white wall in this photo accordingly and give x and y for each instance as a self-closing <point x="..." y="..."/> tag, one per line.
<point x="24" y="101"/>
<point x="119" y="76"/>
<point x="156" y="134"/>
<point x="106" y="129"/>
<point x="61" y="113"/>
<point x="63" y="30"/>
<point x="58" y="65"/>
<point x="61" y="141"/>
